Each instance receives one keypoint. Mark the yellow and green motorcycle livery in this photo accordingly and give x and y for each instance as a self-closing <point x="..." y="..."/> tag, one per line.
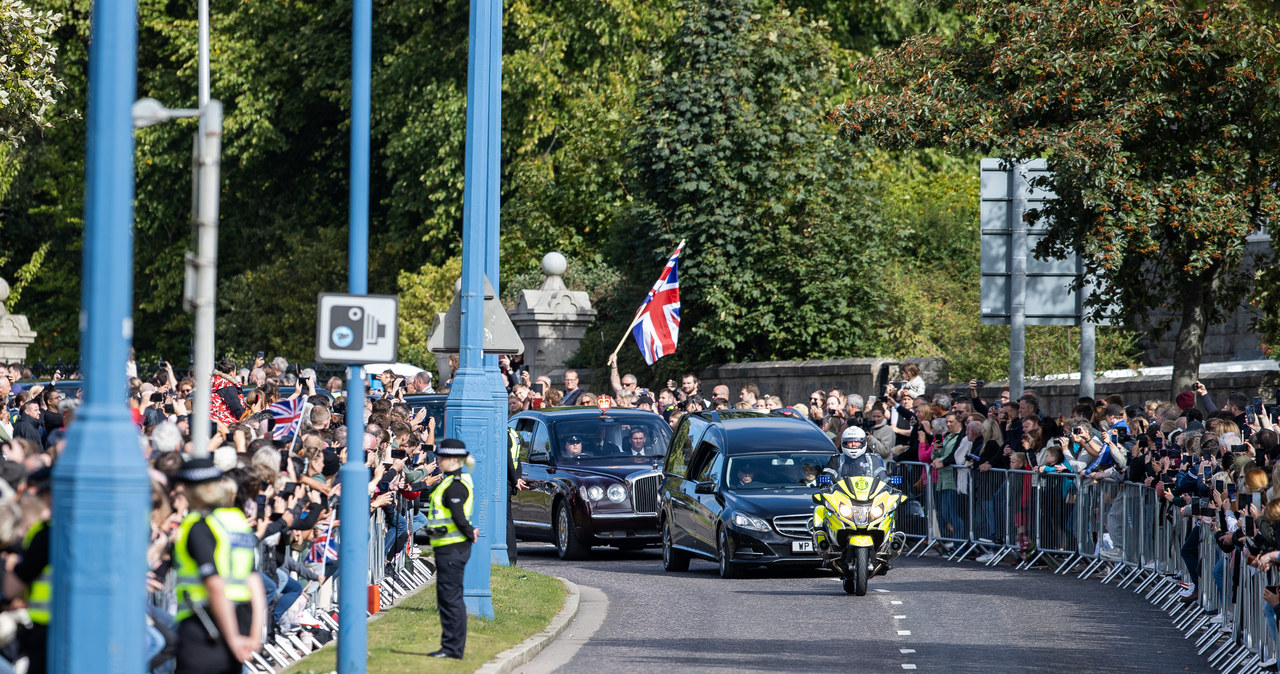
<point x="853" y="529"/>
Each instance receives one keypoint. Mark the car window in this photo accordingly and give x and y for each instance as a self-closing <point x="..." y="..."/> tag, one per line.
<point x="710" y="471"/>
<point x="774" y="470"/>
<point x="681" y="449"/>
<point x="524" y="428"/>
<point x="606" y="439"/>
<point x="541" y="440"/>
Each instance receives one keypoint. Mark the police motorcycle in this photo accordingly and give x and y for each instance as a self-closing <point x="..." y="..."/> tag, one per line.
<point x="853" y="520"/>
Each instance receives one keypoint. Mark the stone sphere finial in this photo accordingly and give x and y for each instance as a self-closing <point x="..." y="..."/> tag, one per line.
<point x="554" y="264"/>
<point x="4" y="292"/>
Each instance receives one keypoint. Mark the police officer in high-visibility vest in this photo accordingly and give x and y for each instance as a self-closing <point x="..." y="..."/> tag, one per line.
<point x="515" y="483"/>
<point x="32" y="579"/>
<point x="449" y="522"/>
<point x="221" y="604"/>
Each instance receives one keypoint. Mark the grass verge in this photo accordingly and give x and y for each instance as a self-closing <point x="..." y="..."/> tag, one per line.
<point x="523" y="604"/>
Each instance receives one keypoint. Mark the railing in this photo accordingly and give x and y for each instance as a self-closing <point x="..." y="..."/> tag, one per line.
<point x="1119" y="532"/>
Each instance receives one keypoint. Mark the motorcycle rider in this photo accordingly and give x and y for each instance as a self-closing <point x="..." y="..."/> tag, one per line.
<point x="853" y="459"/>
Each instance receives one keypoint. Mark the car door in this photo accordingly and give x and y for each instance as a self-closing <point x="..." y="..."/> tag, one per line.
<point x="677" y="490"/>
<point x="705" y="511"/>
<point x="535" y="502"/>
<point x="523" y="426"/>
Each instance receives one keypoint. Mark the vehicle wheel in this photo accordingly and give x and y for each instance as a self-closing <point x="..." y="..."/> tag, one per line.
<point x="855" y="582"/>
<point x="672" y="559"/>
<point x="727" y="568"/>
<point x="567" y="544"/>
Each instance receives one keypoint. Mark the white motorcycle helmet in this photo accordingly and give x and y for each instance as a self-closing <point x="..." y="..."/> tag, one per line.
<point x="853" y="442"/>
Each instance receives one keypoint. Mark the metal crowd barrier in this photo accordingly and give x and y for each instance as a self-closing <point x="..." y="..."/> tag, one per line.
<point x="1122" y="533"/>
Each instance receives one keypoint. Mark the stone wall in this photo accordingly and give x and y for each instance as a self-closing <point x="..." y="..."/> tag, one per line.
<point x="794" y="380"/>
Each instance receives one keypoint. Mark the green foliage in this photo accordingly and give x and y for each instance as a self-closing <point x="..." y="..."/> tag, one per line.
<point x="733" y="155"/>
<point x="1158" y="122"/>
<point x="423" y="294"/>
<point x="28" y="82"/>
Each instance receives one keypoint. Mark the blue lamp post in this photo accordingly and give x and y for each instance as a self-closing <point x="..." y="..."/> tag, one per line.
<point x="353" y="510"/>
<point x="100" y="487"/>
<point x="469" y="411"/>
<point x="496" y="475"/>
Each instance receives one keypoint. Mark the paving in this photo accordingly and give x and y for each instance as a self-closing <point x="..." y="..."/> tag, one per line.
<point x="926" y="614"/>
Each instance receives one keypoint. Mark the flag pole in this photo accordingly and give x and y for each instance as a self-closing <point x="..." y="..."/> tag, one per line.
<point x="627" y="332"/>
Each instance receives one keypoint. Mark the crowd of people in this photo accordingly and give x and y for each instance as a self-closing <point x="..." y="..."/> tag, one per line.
<point x="1218" y="461"/>
<point x="268" y="493"/>
<point x="272" y="488"/>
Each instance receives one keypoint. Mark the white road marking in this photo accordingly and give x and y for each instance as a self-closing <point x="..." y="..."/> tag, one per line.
<point x="895" y="602"/>
<point x="908" y="666"/>
<point x="882" y="591"/>
<point x="906" y="651"/>
<point x="899" y="617"/>
<point x="904" y="633"/>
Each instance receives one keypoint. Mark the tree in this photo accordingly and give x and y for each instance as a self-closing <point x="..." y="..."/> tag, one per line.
<point x="1158" y="122"/>
<point x="29" y="84"/>
<point x="732" y="152"/>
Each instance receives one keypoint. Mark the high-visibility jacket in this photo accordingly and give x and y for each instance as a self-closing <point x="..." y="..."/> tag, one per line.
<point x="40" y="595"/>
<point x="232" y="556"/>
<point x="514" y="448"/>
<point x="440" y="520"/>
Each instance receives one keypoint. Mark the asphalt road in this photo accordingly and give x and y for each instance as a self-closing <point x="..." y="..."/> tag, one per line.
<point x="926" y="614"/>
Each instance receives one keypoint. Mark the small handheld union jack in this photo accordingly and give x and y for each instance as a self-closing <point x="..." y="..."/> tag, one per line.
<point x="288" y="416"/>
<point x="656" y="326"/>
<point x="324" y="548"/>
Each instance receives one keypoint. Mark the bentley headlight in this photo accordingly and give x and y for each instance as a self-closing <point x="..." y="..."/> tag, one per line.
<point x="616" y="493"/>
<point x="745" y="521"/>
<point x="595" y="493"/>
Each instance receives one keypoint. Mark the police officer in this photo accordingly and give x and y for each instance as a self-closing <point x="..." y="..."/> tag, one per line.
<point x="515" y="483"/>
<point x="451" y="537"/>
<point x="221" y="603"/>
<point x="32" y="579"/>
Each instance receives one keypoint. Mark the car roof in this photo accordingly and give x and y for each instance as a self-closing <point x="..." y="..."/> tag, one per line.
<point x="750" y="431"/>
<point x="583" y="411"/>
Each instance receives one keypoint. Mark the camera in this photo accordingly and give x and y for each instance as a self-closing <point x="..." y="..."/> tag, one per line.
<point x="350" y="328"/>
<point x="981" y="384"/>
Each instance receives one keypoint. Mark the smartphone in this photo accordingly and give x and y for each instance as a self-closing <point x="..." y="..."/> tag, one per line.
<point x="1208" y="472"/>
<point x="1257" y="402"/>
<point x="1219" y="486"/>
<point x="1222" y="519"/>
<point x="1196" y="508"/>
<point x="1174" y="452"/>
<point x="1231" y="490"/>
<point x="1241" y="501"/>
<point x="535" y="402"/>
<point x="995" y="405"/>
<point x="261" y="354"/>
<point x="1251" y="414"/>
<point x="1250" y="527"/>
<point x="399" y="454"/>
<point x="1257" y="500"/>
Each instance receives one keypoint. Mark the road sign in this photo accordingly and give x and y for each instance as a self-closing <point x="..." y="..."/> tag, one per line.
<point x="1050" y="299"/>
<point x="357" y="328"/>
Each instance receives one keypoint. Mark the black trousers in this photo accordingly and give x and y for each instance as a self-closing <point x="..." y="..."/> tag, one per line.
<point x="511" y="534"/>
<point x="451" y="563"/>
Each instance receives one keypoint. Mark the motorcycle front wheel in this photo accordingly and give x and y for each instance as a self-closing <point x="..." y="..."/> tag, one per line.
<point x="855" y="580"/>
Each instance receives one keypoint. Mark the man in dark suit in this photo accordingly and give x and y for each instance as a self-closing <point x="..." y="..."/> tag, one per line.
<point x="28" y="424"/>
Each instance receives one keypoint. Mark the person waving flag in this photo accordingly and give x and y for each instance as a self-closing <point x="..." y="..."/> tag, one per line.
<point x="288" y="417"/>
<point x="656" y="326"/>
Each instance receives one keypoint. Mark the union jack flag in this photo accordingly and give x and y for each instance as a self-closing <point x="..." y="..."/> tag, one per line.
<point x="288" y="416"/>
<point x="656" y="326"/>
<point x="324" y="548"/>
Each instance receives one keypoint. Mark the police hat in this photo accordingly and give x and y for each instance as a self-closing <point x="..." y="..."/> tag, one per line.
<point x="195" y="471"/>
<point x="573" y="440"/>
<point x="452" y="447"/>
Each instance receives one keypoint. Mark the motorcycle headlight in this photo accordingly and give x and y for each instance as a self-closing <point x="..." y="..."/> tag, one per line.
<point x="745" y="521"/>
<point x="862" y="515"/>
<point x="616" y="493"/>
<point x="846" y="511"/>
<point x="877" y="511"/>
<point x="594" y="492"/>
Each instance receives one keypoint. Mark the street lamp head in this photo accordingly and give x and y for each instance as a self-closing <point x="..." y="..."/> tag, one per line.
<point x="149" y="112"/>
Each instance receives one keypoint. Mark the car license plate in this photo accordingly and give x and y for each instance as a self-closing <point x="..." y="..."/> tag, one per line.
<point x="802" y="546"/>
